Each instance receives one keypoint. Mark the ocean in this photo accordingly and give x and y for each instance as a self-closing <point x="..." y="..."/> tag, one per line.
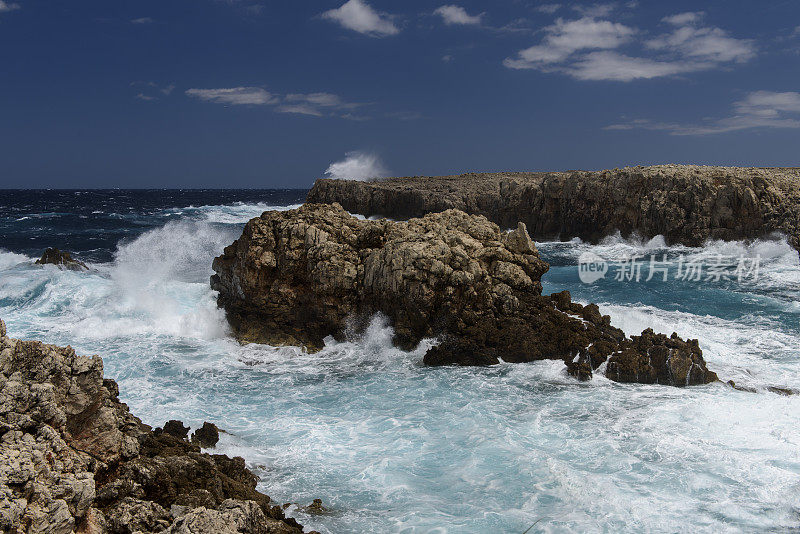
<point x="392" y="446"/>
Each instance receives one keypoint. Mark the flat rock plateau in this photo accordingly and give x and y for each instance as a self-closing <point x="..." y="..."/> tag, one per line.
<point x="687" y="204"/>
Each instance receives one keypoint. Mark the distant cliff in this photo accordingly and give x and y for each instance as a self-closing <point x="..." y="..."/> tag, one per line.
<point x="686" y="204"/>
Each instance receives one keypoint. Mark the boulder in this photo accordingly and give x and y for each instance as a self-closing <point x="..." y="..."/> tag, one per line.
<point x="63" y="259"/>
<point x="295" y="277"/>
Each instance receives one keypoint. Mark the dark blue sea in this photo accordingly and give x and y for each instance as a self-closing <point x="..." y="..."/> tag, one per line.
<point x="392" y="446"/>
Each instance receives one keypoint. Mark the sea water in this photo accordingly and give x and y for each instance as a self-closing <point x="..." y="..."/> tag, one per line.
<point x="392" y="446"/>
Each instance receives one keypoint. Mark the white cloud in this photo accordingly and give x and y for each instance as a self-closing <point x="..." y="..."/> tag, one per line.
<point x="457" y="15"/>
<point x="587" y="48"/>
<point x="360" y="166"/>
<point x="142" y="20"/>
<point x="548" y="8"/>
<point x="613" y="66"/>
<point x="235" y="96"/>
<point x="564" y="38"/>
<point x="702" y="43"/>
<point x="759" y="109"/>
<point x="312" y="104"/>
<point x="358" y="16"/>
<point x="8" y="6"/>
<point x="682" y="19"/>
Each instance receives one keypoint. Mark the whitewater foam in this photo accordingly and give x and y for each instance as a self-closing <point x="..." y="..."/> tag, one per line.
<point x="392" y="446"/>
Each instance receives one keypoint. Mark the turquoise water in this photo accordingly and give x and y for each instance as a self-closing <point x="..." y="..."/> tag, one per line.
<point x="391" y="446"/>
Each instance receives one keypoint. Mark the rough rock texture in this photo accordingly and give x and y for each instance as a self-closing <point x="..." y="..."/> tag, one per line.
<point x="62" y="259"/>
<point x="206" y="436"/>
<point x="685" y="203"/>
<point x="295" y="277"/>
<point x="74" y="459"/>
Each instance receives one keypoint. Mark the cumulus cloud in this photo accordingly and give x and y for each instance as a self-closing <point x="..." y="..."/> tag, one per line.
<point x="564" y="38"/>
<point x="357" y="165"/>
<point x="589" y="48"/>
<point x="8" y="6"/>
<point x="235" y="96"/>
<point x="457" y="15"/>
<point x="759" y="109"/>
<point x="705" y="44"/>
<point x="359" y="16"/>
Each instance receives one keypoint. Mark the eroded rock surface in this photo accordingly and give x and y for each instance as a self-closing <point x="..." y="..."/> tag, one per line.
<point x="686" y="204"/>
<point x="74" y="459"/>
<point x="295" y="277"/>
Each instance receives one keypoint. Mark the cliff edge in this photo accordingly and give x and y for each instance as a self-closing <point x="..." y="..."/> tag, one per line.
<point x="687" y="204"/>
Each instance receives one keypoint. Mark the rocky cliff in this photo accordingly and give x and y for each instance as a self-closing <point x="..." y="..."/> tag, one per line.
<point x="295" y="277"/>
<point x="685" y="203"/>
<point x="74" y="459"/>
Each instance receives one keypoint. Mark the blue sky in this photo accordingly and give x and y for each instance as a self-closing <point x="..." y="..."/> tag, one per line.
<point x="259" y="93"/>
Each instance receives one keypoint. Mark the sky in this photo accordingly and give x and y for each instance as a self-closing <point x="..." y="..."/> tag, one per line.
<point x="260" y="93"/>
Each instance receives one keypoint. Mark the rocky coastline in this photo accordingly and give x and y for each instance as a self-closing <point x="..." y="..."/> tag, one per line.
<point x="687" y="204"/>
<point x="295" y="277"/>
<point x="74" y="459"/>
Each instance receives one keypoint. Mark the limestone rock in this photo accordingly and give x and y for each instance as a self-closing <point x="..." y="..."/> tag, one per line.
<point x="686" y="204"/>
<point x="74" y="459"/>
<point x="295" y="277"/>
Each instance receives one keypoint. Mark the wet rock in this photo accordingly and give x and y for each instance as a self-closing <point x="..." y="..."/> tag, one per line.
<point x="316" y="508"/>
<point x="687" y="204"/>
<point x="295" y="277"/>
<point x="74" y="459"/>
<point x="657" y="359"/>
<point x="63" y="259"/>
<point x="177" y="429"/>
<point x="734" y="385"/>
<point x="782" y="390"/>
<point x="206" y="436"/>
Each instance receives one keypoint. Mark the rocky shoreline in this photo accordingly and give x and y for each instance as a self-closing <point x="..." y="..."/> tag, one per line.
<point x="74" y="459"/>
<point x="295" y="277"/>
<point x="687" y="204"/>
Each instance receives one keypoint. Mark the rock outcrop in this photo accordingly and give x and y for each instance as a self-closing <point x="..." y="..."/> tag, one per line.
<point x="74" y="459"/>
<point x="53" y="256"/>
<point x="686" y="204"/>
<point x="295" y="277"/>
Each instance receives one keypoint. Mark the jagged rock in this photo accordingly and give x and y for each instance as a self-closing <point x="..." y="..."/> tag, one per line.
<point x="295" y="277"/>
<point x="656" y="359"/>
<point x="74" y="459"/>
<point x="206" y="436"/>
<point x="61" y="258"/>
<point x="176" y="428"/>
<point x="686" y="204"/>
